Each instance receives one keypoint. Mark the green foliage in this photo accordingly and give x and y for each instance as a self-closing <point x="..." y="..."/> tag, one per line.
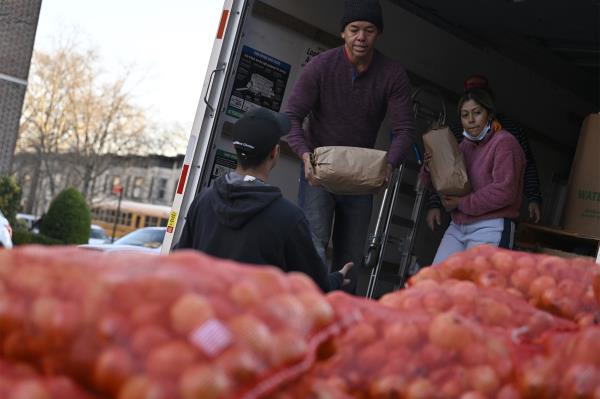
<point x="68" y="218"/>
<point x="10" y="198"/>
<point x="21" y="237"/>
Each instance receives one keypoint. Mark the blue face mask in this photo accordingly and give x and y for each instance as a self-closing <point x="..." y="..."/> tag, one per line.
<point x="481" y="136"/>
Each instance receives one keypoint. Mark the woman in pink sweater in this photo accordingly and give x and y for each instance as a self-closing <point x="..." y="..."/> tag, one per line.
<point x="495" y="164"/>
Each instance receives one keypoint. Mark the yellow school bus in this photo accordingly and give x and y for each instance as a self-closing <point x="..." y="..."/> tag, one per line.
<point x="131" y="216"/>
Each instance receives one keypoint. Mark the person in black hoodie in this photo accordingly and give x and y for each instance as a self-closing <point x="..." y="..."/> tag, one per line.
<point x="243" y="218"/>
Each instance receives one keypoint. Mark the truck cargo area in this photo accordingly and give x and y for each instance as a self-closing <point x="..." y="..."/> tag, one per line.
<point x="541" y="59"/>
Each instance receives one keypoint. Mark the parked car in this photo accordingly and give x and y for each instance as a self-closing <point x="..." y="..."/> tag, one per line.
<point x="31" y="222"/>
<point x="98" y="235"/>
<point x="146" y="239"/>
<point x="5" y="232"/>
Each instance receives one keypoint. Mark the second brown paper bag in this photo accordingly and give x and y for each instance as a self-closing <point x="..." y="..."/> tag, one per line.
<point x="447" y="167"/>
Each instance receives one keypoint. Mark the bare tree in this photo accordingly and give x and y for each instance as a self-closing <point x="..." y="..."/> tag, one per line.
<point x="44" y="123"/>
<point x="170" y="140"/>
<point x="72" y="109"/>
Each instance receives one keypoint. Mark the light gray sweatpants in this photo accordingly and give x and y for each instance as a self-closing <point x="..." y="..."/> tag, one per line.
<point x="459" y="237"/>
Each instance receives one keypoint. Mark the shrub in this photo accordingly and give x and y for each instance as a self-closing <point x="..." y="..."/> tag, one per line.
<point x="10" y="197"/>
<point x="22" y="237"/>
<point x="68" y="219"/>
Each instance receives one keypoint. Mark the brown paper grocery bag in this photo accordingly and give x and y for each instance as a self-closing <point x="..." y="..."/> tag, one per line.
<point x="447" y="166"/>
<point x="349" y="170"/>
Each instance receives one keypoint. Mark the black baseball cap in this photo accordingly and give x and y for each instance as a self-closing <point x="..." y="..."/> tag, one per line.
<point x="258" y="131"/>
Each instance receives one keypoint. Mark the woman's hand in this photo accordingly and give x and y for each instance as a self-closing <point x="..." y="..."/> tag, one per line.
<point x="450" y="202"/>
<point x="535" y="212"/>
<point x="434" y="218"/>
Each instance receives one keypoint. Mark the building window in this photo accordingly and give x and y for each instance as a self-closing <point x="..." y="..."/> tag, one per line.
<point x="162" y="189"/>
<point x="116" y="181"/>
<point x="138" y="185"/>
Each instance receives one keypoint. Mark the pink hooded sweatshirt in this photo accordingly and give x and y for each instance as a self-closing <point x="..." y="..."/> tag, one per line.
<point x="495" y="167"/>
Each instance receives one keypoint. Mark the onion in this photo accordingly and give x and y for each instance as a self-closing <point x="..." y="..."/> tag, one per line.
<point x="449" y="331"/>
<point x="112" y="369"/>
<point x="204" y="382"/>
<point x="29" y="389"/>
<point x="426" y="273"/>
<point x="539" y="285"/>
<point x="402" y="334"/>
<point x="493" y="313"/>
<point x="317" y="309"/>
<point x="522" y="277"/>
<point x="484" y="379"/>
<point x="146" y="338"/>
<point x="437" y="301"/>
<point x="171" y="358"/>
<point x="503" y="262"/>
<point x="189" y="312"/>
<point x="580" y="381"/>
<point x="390" y="386"/>
<point x="508" y="392"/>
<point x="245" y="293"/>
<point x="242" y="365"/>
<point x="250" y="331"/>
<point x="463" y="292"/>
<point x="473" y="395"/>
<point x="421" y="388"/>
<point x="287" y="310"/>
<point x="491" y="278"/>
<point x="286" y="348"/>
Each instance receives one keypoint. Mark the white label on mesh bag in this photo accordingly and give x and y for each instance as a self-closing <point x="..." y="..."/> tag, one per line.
<point x="212" y="337"/>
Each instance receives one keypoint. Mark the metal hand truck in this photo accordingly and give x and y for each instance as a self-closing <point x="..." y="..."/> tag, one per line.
<point x="374" y="257"/>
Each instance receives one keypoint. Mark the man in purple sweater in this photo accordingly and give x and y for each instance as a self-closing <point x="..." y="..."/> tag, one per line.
<point x="346" y="92"/>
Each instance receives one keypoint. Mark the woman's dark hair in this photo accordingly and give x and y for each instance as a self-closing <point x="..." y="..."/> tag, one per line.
<point x="481" y="97"/>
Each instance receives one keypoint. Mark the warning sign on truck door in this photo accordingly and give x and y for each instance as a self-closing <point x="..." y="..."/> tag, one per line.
<point x="223" y="163"/>
<point x="260" y="80"/>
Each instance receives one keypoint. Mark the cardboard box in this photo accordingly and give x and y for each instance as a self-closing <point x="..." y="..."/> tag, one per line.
<point x="582" y="208"/>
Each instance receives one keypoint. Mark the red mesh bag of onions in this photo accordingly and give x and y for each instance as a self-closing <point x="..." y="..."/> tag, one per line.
<point x="406" y="354"/>
<point x="563" y="287"/>
<point x="489" y="306"/>
<point x="130" y="325"/>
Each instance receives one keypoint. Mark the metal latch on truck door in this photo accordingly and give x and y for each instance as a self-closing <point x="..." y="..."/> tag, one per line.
<point x="210" y="80"/>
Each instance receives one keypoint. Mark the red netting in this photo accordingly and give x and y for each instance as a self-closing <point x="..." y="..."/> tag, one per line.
<point x="412" y="354"/>
<point x="563" y="287"/>
<point x="21" y="381"/>
<point x="489" y="306"/>
<point x="140" y="326"/>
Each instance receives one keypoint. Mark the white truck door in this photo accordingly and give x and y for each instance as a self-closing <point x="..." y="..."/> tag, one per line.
<point x="201" y="136"/>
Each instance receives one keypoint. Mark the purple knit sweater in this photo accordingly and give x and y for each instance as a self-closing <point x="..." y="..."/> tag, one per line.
<point x="346" y="108"/>
<point x="495" y="168"/>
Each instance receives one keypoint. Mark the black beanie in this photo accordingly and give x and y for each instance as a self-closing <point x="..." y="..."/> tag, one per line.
<point x="362" y="10"/>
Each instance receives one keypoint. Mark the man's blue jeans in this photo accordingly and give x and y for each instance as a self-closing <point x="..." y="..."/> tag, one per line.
<point x="342" y="218"/>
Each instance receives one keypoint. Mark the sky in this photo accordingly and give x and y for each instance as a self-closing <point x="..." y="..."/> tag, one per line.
<point x="164" y="44"/>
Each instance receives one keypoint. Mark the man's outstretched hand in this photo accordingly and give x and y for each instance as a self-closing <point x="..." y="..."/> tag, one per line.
<point x="309" y="172"/>
<point x="344" y="270"/>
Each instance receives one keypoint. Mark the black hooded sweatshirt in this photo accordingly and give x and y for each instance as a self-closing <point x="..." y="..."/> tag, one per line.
<point x="251" y="222"/>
